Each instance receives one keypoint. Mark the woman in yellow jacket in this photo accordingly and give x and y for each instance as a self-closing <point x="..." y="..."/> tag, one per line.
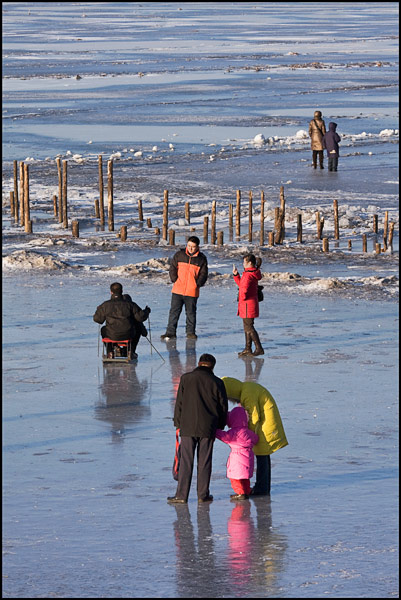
<point x="265" y="420"/>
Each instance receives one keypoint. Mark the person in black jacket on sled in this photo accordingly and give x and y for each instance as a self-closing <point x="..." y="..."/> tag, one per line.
<point x="124" y="319"/>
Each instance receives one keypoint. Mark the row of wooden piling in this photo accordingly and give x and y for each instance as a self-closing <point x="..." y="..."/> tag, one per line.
<point x="20" y="209"/>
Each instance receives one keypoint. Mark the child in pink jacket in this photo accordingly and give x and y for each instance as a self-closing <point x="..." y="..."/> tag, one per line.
<point x="241" y="459"/>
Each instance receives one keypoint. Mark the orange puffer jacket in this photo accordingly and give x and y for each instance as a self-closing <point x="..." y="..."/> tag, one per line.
<point x="188" y="272"/>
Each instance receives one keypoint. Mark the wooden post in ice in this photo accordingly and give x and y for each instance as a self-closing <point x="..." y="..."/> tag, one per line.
<point x="238" y="216"/>
<point x="75" y="229"/>
<point x="149" y="222"/>
<point x="21" y="194"/>
<point x="123" y="233"/>
<point x="325" y="246"/>
<point x="336" y="227"/>
<point x="165" y="215"/>
<point x="28" y="229"/>
<point x="60" y="190"/>
<point x="101" y="191"/>
<point x="250" y="222"/>
<point x="271" y="238"/>
<point x="390" y="235"/>
<point x="12" y="208"/>
<point x="205" y="229"/>
<point x="280" y="218"/>
<point x="55" y="211"/>
<point x="230" y="222"/>
<point x="110" y="205"/>
<point x="299" y="228"/>
<point x="171" y="237"/>
<point x="375" y="224"/>
<point x="320" y="224"/>
<point x="15" y="214"/>
<point x="213" y="227"/>
<point x="385" y="231"/>
<point x="140" y="211"/>
<point x="378" y="248"/>
<point x="364" y="243"/>
<point x="65" y="212"/>
<point x="220" y="238"/>
<point x="187" y="213"/>
<point x="262" y="219"/>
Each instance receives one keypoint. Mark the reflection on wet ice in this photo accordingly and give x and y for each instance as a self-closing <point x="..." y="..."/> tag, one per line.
<point x="123" y="399"/>
<point x="251" y="559"/>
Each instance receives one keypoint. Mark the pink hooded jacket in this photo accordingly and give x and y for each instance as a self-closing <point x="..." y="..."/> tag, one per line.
<point x="241" y="441"/>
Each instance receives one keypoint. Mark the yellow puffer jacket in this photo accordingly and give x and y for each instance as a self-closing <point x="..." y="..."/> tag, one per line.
<point x="264" y="417"/>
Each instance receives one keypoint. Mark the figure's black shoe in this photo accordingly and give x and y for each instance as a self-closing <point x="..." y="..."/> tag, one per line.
<point x="175" y="500"/>
<point x="192" y="336"/>
<point x="207" y="499"/>
<point x="253" y="493"/>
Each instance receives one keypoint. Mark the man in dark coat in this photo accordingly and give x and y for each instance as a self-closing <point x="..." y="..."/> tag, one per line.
<point x="201" y="408"/>
<point x="330" y="143"/>
<point x="124" y="318"/>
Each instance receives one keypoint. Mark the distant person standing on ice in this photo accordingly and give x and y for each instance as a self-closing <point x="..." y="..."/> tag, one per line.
<point x="317" y="129"/>
<point x="248" y="303"/>
<point x="188" y="272"/>
<point x="330" y="143"/>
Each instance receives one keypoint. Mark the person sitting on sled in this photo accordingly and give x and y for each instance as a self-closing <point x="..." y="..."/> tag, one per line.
<point x="124" y="319"/>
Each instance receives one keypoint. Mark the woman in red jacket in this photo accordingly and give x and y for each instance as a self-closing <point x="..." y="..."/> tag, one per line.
<point x="248" y="304"/>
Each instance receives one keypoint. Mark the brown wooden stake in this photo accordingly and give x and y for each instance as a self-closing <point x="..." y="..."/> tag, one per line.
<point x="276" y="218"/>
<point x="230" y="221"/>
<point x="165" y="214"/>
<point x="385" y="229"/>
<point x="55" y="209"/>
<point x="149" y="222"/>
<point x="205" y="229"/>
<point x="60" y="190"/>
<point x="271" y="238"/>
<point x="213" y="227"/>
<point x="12" y="207"/>
<point x="101" y="190"/>
<point x="319" y="225"/>
<point x="238" y="216"/>
<point x="110" y="200"/>
<point x="140" y="211"/>
<point x="220" y="238"/>
<point x="378" y="248"/>
<point x="336" y="225"/>
<point x="75" y="229"/>
<point x="250" y="220"/>
<point x="157" y="230"/>
<point x="187" y="213"/>
<point x="28" y="227"/>
<point x="349" y="244"/>
<point x="262" y="219"/>
<point x="375" y="224"/>
<point x="21" y="194"/>
<point x="26" y="198"/>
<point x="65" y="211"/>
<point x="364" y="243"/>
<point x="325" y="245"/>
<point x="97" y="210"/>
<point x="390" y="234"/>
<point x="15" y="214"/>
<point x="299" y="228"/>
<point x="171" y="237"/>
<point x="123" y="233"/>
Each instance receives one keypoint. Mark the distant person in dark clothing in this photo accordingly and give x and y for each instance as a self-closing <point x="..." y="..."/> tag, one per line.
<point x="331" y="140"/>
<point x="317" y="129"/>
<point x="124" y="318"/>
<point x="200" y="409"/>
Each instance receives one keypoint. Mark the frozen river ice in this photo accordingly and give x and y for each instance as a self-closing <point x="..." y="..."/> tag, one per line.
<point x="88" y="451"/>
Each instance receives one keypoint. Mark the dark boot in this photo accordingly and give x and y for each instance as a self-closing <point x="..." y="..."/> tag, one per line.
<point x="258" y="346"/>
<point x="248" y="345"/>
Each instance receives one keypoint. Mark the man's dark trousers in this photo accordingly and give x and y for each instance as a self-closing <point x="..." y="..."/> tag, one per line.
<point x="204" y="453"/>
<point x="177" y="302"/>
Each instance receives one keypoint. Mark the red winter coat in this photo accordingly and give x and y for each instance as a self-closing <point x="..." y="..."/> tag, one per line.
<point x="248" y="304"/>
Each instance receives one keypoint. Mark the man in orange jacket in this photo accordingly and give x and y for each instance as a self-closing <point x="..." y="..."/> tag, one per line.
<point x="188" y="272"/>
